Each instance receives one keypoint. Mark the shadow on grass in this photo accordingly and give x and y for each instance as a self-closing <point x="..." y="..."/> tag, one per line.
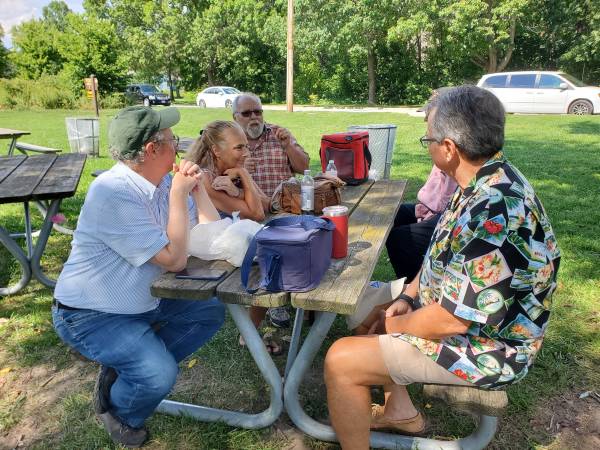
<point x="587" y="127"/>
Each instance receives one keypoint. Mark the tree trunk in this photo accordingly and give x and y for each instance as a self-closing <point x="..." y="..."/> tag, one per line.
<point x="170" y="75"/>
<point x="511" y="46"/>
<point x="371" y="68"/>
<point x="419" y="56"/>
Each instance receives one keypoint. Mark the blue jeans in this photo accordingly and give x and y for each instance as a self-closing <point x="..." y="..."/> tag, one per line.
<point x="145" y="359"/>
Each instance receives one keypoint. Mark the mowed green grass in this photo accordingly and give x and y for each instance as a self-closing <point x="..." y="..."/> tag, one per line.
<point x="560" y="155"/>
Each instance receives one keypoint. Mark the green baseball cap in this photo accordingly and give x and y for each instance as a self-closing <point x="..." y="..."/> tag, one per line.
<point x="132" y="127"/>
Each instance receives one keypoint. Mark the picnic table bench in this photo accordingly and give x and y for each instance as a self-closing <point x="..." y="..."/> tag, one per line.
<point x="24" y="147"/>
<point x="372" y="208"/>
<point x="41" y="178"/>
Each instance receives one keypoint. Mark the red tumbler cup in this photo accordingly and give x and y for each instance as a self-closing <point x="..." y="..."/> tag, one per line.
<point x="339" y="216"/>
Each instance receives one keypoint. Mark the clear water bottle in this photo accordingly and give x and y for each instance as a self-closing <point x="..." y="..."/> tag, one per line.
<point x="307" y="189"/>
<point x="331" y="169"/>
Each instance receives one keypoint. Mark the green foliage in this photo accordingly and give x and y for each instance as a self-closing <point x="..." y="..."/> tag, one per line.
<point x="116" y="100"/>
<point x="376" y="51"/>
<point x="4" y="61"/>
<point x="47" y="92"/>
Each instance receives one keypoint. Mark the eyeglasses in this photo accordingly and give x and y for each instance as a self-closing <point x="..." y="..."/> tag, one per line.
<point x="425" y="141"/>
<point x="256" y="112"/>
<point x="174" y="139"/>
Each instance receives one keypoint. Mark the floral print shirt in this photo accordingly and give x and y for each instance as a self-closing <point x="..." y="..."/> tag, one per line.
<point x="492" y="260"/>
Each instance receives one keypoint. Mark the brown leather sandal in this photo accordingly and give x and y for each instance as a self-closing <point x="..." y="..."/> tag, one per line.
<point x="413" y="426"/>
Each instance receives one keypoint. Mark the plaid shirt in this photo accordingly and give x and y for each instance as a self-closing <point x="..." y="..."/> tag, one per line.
<point x="269" y="164"/>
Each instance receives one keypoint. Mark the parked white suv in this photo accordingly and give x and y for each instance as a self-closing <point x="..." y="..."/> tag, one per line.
<point x="542" y="92"/>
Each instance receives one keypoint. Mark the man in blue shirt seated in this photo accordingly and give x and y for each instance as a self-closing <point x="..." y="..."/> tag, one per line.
<point x="133" y="226"/>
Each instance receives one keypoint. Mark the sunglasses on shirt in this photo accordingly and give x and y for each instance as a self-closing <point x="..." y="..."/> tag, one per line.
<point x="256" y="112"/>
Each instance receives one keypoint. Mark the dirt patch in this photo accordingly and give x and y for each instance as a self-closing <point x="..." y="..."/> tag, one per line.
<point x="568" y="422"/>
<point x="33" y="395"/>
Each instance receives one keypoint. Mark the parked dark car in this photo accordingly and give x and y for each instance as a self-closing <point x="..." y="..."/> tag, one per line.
<point x="146" y="94"/>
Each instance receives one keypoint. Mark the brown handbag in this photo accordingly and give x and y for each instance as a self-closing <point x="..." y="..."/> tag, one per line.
<point x="287" y="198"/>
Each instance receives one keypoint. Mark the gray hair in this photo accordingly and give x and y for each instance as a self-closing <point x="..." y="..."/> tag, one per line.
<point x="471" y="117"/>
<point x="236" y="101"/>
<point x="137" y="157"/>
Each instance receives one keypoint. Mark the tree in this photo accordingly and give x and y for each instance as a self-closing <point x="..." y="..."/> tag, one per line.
<point x="35" y="49"/>
<point x="4" y="62"/>
<point x="155" y="33"/>
<point x="242" y="43"/>
<point x="91" y="46"/>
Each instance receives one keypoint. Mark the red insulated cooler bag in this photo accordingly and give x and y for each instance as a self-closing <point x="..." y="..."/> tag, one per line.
<point x="350" y="153"/>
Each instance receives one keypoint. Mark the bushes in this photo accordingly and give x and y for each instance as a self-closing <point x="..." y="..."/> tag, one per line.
<point x="48" y="92"/>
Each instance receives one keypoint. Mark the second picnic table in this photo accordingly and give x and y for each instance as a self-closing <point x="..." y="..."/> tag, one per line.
<point x="372" y="208"/>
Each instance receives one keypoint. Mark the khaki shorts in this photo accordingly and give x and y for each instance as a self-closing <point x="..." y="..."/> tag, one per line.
<point x="408" y="365"/>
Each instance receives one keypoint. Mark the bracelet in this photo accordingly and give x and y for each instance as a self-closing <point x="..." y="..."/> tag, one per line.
<point x="408" y="299"/>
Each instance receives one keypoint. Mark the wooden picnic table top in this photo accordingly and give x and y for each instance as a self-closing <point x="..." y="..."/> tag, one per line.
<point x="40" y="177"/>
<point x="372" y="208"/>
<point x="7" y="133"/>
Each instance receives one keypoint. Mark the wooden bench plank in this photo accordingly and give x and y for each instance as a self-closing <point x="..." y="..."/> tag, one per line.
<point x="184" y="144"/>
<point x="21" y="182"/>
<point x="167" y="286"/>
<point x="368" y="228"/>
<point x="8" y="164"/>
<point x="351" y="195"/>
<point x="62" y="178"/>
<point x="232" y="291"/>
<point x="472" y="399"/>
<point x="24" y="147"/>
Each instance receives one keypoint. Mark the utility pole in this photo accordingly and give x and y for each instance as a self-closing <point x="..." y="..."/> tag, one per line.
<point x="289" y="91"/>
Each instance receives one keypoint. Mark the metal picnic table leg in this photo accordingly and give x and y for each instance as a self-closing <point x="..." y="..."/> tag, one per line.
<point x="482" y="435"/>
<point x="42" y="207"/>
<point x="21" y="258"/>
<point x="268" y="370"/>
<point x="40" y="245"/>
<point x="295" y="342"/>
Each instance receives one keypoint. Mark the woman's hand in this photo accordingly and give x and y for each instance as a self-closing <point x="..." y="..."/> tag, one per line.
<point x="225" y="183"/>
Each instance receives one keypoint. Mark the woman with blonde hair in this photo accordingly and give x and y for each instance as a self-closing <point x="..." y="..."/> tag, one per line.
<point x="220" y="151"/>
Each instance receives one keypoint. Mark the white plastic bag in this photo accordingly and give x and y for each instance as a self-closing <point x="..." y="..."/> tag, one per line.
<point x="223" y="239"/>
<point x="233" y="243"/>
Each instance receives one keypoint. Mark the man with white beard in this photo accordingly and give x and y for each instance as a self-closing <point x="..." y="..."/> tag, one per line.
<point x="275" y="156"/>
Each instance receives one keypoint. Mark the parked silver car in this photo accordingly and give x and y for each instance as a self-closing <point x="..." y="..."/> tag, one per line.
<point x="542" y="92"/>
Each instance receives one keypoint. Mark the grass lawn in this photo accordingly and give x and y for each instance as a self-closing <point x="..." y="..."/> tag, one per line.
<point x="45" y="392"/>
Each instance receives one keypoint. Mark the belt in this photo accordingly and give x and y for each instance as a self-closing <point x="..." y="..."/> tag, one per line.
<point x="59" y="305"/>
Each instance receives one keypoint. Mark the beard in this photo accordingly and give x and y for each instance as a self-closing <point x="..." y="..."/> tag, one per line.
<point x="255" y="130"/>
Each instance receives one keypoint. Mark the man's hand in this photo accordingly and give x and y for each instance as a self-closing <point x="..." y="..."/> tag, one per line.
<point x="398" y="308"/>
<point x="224" y="183"/>
<point x="284" y="136"/>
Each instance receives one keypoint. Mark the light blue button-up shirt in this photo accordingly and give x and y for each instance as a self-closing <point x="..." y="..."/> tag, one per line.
<point x="122" y="225"/>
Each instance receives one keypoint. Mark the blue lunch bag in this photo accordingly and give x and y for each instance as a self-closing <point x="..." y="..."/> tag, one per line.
<point x="293" y="254"/>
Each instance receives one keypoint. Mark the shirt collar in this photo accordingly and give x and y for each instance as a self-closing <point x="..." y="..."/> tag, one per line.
<point x="488" y="168"/>
<point x="145" y="186"/>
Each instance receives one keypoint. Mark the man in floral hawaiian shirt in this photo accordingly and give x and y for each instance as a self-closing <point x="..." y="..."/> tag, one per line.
<point x="477" y="313"/>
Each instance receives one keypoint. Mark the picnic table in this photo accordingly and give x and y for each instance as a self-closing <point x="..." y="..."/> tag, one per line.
<point x="41" y="178"/>
<point x="372" y="208"/>
<point x="13" y="135"/>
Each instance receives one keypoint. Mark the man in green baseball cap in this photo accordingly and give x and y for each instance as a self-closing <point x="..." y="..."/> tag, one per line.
<point x="134" y="225"/>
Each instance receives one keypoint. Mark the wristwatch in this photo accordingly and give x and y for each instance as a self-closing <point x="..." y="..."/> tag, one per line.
<point x="408" y="299"/>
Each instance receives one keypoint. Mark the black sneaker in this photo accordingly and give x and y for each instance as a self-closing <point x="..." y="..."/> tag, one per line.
<point x="279" y="317"/>
<point x="123" y="434"/>
<point x="105" y="379"/>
